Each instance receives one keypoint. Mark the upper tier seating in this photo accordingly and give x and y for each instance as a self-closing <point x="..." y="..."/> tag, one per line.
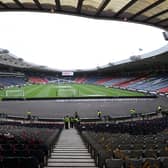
<point x="129" y="82"/>
<point x="8" y="81"/>
<point x="37" y="80"/>
<point x="103" y="80"/>
<point x="155" y="83"/>
<point x="117" y="80"/>
<point x="93" y="80"/>
<point x="163" y="90"/>
<point x="80" y="80"/>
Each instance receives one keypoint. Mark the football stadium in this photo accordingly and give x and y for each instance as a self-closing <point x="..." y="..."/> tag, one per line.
<point x="111" y="116"/>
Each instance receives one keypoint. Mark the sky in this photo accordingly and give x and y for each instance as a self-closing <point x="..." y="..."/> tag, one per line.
<point x="67" y="42"/>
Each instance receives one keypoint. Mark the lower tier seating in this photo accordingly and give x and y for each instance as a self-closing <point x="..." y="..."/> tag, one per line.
<point x="117" y="148"/>
<point x="26" y="146"/>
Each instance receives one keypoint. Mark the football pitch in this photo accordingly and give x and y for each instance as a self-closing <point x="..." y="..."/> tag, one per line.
<point x="64" y="90"/>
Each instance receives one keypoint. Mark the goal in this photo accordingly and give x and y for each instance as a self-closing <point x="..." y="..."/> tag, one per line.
<point x="14" y="93"/>
<point x="67" y="92"/>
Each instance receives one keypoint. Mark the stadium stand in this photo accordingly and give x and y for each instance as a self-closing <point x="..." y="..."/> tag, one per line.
<point x="37" y="80"/>
<point x="93" y="79"/>
<point x="11" y="79"/>
<point x="163" y="90"/>
<point x="129" y="82"/>
<point x="148" y="83"/>
<point x="8" y="81"/>
<point x="80" y="80"/>
<point x="152" y="83"/>
<point x="117" y="80"/>
<point x="26" y="145"/>
<point x="136" y="144"/>
<point x="121" y="144"/>
<point x="102" y="81"/>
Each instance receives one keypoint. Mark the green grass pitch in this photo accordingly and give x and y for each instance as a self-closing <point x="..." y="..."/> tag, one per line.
<point x="69" y="90"/>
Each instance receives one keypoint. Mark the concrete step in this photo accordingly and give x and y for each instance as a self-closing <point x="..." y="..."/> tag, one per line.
<point x="70" y="154"/>
<point x="66" y="149"/>
<point x="71" y="160"/>
<point x="71" y="144"/>
<point x="71" y="164"/>
<point x="70" y="157"/>
<point x="71" y="167"/>
<point x="69" y="147"/>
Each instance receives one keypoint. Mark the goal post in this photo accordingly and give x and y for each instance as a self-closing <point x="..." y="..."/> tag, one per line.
<point x="14" y="93"/>
<point x="66" y="92"/>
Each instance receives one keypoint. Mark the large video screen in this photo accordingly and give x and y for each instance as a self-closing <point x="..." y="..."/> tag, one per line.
<point x="67" y="73"/>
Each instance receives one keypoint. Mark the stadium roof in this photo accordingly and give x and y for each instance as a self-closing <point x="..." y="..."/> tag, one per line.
<point x="8" y="59"/>
<point x="154" y="60"/>
<point x="151" y="12"/>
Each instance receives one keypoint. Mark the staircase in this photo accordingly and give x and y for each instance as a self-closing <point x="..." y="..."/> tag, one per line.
<point x="70" y="151"/>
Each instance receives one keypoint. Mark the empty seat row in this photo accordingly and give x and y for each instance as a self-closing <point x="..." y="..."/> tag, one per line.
<point x="22" y="144"/>
<point x="19" y="162"/>
<point x="117" y="153"/>
<point x="137" y="163"/>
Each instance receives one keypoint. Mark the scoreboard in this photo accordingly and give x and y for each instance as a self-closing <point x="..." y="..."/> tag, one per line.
<point x="67" y="73"/>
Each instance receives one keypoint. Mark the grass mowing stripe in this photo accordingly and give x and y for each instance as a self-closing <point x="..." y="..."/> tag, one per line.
<point x="29" y="90"/>
<point x="52" y="91"/>
<point x="42" y="92"/>
<point x="35" y="92"/>
<point x="93" y="90"/>
<point x="100" y="90"/>
<point x="80" y="90"/>
<point x="47" y="91"/>
<point x="115" y="91"/>
<point x="84" y="90"/>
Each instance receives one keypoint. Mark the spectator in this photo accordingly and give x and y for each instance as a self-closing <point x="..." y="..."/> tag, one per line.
<point x="99" y="114"/>
<point x="66" y="122"/>
<point x="71" y="122"/>
<point x="29" y="113"/>
<point x="159" y="109"/>
<point x="76" y="115"/>
<point x="133" y="112"/>
<point x="77" y="121"/>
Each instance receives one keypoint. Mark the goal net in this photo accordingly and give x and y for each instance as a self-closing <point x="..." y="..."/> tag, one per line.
<point x="14" y="93"/>
<point x="66" y="91"/>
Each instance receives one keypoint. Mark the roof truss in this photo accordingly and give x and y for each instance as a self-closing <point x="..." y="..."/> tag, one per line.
<point x="102" y="6"/>
<point x="79" y="6"/>
<point x="38" y="4"/>
<point x="125" y="8"/>
<point x="146" y="9"/>
<point x="99" y="12"/>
